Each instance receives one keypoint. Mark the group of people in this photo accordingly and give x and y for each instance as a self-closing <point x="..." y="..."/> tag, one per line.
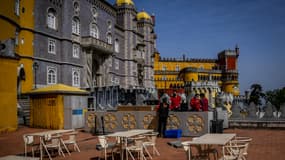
<point x="197" y="103"/>
<point x="177" y="102"/>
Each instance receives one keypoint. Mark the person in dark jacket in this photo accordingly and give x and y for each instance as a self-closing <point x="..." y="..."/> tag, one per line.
<point x="163" y="111"/>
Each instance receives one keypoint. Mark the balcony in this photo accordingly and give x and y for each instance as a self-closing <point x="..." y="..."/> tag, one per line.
<point x="99" y="46"/>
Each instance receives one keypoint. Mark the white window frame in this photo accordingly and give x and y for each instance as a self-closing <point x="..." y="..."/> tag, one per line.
<point x="75" y="78"/>
<point x="51" y="19"/>
<point x="76" y="25"/>
<point x="51" y="78"/>
<point x="94" y="31"/>
<point x="51" y="46"/>
<point x="117" y="46"/>
<point x="177" y="68"/>
<point x="109" y="38"/>
<point x="164" y="68"/>
<point x="17" y="7"/>
<point x="75" y="50"/>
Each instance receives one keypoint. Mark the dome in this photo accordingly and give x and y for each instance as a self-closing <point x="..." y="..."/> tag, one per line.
<point x="143" y="15"/>
<point x="120" y="2"/>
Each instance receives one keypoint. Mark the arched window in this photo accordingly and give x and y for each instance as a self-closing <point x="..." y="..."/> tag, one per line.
<point x="75" y="78"/>
<point x="177" y="68"/>
<point x="109" y="38"/>
<point x="75" y="50"/>
<point x="51" y="18"/>
<point x="117" y="47"/>
<point x="51" y="75"/>
<point x="76" y="26"/>
<point x="94" y="32"/>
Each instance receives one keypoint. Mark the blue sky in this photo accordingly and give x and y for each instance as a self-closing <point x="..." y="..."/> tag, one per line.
<point x="202" y="28"/>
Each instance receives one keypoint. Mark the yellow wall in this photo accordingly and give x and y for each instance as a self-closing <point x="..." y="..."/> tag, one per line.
<point x="8" y="95"/>
<point x="171" y="66"/>
<point x="191" y="76"/>
<point x="47" y="111"/>
<point x="25" y="24"/>
<point x="26" y="48"/>
<point x="7" y="30"/>
<point x="230" y="87"/>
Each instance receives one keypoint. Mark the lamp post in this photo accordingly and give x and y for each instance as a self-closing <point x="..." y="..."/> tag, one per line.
<point x="35" y="67"/>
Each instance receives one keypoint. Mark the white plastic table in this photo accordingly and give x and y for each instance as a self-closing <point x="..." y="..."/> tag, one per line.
<point x="220" y="139"/>
<point x="42" y="135"/>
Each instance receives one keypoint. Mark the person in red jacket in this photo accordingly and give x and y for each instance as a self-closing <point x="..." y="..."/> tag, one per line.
<point x="195" y="103"/>
<point x="175" y="102"/>
<point x="204" y="102"/>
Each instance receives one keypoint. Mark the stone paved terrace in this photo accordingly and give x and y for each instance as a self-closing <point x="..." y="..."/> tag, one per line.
<point x="267" y="144"/>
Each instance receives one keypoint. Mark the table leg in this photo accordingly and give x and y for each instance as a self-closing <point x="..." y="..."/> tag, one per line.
<point x="41" y="149"/>
<point x="123" y="142"/>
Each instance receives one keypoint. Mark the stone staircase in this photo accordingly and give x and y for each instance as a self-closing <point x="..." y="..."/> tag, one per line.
<point x="24" y="117"/>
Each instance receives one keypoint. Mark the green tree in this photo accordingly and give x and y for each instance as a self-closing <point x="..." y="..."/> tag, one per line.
<point x="276" y="97"/>
<point x="256" y="94"/>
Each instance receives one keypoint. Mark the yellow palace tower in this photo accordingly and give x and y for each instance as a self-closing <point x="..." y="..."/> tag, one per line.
<point x="16" y="38"/>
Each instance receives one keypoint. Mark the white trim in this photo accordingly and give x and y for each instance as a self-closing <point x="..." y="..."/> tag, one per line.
<point x="117" y="46"/>
<point x="76" y="25"/>
<point x="17" y="7"/>
<point x="109" y="38"/>
<point x="74" y="79"/>
<point x="75" y="50"/>
<point x="93" y="30"/>
<point x="53" y="78"/>
<point x="51" y="18"/>
<point x="51" y="46"/>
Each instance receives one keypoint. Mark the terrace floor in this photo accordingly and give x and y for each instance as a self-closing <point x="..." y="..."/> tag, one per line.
<point x="267" y="144"/>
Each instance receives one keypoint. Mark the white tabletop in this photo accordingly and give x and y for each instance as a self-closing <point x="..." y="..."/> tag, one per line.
<point x="129" y="133"/>
<point x="214" y="139"/>
<point x="50" y="132"/>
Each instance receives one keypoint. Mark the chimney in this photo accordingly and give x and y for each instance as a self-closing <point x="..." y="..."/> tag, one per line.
<point x="237" y="50"/>
<point x="153" y="19"/>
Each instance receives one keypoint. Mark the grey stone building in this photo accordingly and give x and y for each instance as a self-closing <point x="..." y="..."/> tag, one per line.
<point x="92" y="44"/>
